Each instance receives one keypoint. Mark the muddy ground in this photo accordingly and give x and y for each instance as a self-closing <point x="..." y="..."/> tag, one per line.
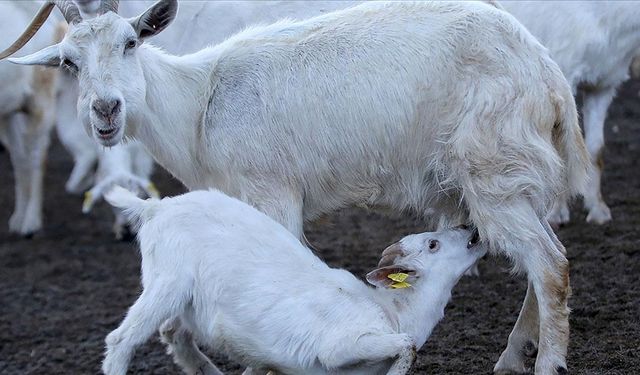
<point x="62" y="291"/>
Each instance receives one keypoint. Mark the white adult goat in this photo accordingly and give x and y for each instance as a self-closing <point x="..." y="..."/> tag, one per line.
<point x="431" y="106"/>
<point x="594" y="43"/>
<point x="27" y="110"/>
<point x="243" y="284"/>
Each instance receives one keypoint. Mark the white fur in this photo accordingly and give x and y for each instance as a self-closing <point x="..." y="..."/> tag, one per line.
<point x="244" y="285"/>
<point x="27" y="111"/>
<point x="440" y="107"/>
<point x="594" y="43"/>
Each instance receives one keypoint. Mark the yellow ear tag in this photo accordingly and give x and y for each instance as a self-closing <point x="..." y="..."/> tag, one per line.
<point x="152" y="189"/>
<point x="86" y="203"/>
<point x="399" y="280"/>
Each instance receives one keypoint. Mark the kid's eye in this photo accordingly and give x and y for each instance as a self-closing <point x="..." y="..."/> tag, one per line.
<point x="433" y="245"/>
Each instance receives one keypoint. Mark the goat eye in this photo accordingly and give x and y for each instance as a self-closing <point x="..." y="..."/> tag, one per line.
<point x="70" y="66"/>
<point x="131" y="43"/>
<point x="475" y="238"/>
<point x="434" y="245"/>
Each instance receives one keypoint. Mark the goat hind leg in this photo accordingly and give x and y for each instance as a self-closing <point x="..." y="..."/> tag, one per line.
<point x="523" y="340"/>
<point x="374" y="348"/>
<point x="516" y="228"/>
<point x="542" y="257"/>
<point x="594" y="111"/>
<point x="183" y="348"/>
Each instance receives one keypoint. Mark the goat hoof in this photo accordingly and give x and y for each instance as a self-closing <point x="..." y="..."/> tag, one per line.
<point x="599" y="214"/>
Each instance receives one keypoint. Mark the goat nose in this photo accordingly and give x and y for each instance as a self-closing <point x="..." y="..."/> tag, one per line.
<point x="106" y="108"/>
<point x="390" y="254"/>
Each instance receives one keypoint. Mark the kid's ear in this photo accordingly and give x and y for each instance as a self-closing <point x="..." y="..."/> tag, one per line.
<point x="391" y="277"/>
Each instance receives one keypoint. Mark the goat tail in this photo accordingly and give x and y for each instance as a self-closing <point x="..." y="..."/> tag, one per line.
<point x="569" y="143"/>
<point x="138" y="211"/>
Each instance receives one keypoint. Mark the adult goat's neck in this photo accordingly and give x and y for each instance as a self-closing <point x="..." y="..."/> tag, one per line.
<point x="170" y="123"/>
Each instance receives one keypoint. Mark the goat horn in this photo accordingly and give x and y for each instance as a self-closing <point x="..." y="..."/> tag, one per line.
<point x="108" y="6"/>
<point x="69" y="11"/>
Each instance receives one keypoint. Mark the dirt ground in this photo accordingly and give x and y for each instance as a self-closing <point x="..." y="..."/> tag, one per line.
<point x="62" y="291"/>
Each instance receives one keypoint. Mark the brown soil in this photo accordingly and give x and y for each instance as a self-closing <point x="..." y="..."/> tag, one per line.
<point x="64" y="290"/>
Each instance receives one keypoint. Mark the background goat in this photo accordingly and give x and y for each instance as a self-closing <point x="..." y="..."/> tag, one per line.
<point x="594" y="43"/>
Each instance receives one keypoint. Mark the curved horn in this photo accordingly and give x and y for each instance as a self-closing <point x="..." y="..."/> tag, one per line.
<point x="31" y="30"/>
<point x="108" y="6"/>
<point x="69" y="11"/>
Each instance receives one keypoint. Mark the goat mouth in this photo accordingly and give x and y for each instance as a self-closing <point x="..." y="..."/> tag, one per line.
<point x="106" y="133"/>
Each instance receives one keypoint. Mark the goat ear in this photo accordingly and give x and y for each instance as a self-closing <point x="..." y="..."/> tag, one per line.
<point x="49" y="56"/>
<point x="393" y="277"/>
<point x="155" y="19"/>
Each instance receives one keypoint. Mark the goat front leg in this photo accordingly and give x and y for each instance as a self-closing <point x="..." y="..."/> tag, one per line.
<point x="81" y="176"/>
<point x="27" y="138"/>
<point x="183" y="348"/>
<point x="596" y="104"/>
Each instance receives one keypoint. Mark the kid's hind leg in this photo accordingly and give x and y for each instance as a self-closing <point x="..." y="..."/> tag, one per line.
<point x="374" y="348"/>
<point x="182" y="346"/>
<point x="154" y="306"/>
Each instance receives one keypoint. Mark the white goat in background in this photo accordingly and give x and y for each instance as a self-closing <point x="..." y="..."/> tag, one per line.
<point x="594" y="43"/>
<point x="243" y="284"/>
<point x="27" y="110"/>
<point x="438" y="107"/>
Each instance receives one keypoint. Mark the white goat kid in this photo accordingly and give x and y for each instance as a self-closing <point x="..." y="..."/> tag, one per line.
<point x="448" y="107"/>
<point x="243" y="284"/>
<point x="594" y="43"/>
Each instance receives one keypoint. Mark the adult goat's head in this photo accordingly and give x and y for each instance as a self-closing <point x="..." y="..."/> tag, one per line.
<point x="102" y="53"/>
